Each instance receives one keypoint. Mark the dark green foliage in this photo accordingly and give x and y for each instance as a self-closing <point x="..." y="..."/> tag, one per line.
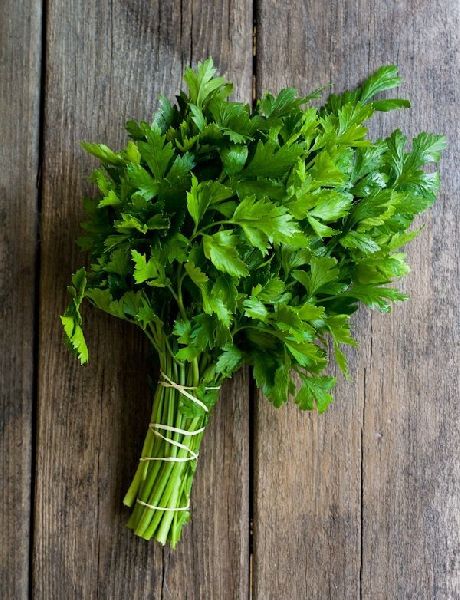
<point x="252" y="236"/>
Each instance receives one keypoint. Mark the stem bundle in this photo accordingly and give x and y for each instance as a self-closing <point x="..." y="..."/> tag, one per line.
<point x="160" y="490"/>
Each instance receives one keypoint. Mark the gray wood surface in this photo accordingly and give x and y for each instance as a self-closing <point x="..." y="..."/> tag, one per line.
<point x="107" y="62"/>
<point x="362" y="502"/>
<point x="365" y="500"/>
<point x="20" y="51"/>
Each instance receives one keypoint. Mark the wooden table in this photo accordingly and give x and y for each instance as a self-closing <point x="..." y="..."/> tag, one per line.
<point x="363" y="502"/>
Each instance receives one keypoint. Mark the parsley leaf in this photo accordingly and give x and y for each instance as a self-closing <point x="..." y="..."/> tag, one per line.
<point x="220" y="248"/>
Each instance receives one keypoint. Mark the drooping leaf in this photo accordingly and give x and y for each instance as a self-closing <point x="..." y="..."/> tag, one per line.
<point x="314" y="393"/>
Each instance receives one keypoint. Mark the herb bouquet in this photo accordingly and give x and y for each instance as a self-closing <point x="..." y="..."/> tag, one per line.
<point x="233" y="236"/>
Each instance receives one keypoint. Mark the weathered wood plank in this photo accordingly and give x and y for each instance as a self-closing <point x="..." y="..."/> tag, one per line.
<point x="107" y="62"/>
<point x="364" y="501"/>
<point x="411" y="468"/>
<point x="20" y="53"/>
<point x="307" y="509"/>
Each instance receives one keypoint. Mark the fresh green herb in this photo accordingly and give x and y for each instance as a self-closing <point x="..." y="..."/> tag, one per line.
<point x="233" y="236"/>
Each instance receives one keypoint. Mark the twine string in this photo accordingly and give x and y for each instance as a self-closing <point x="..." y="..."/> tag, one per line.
<point x="152" y="507"/>
<point x="176" y="429"/>
<point x="193" y="455"/>
<point x="185" y="391"/>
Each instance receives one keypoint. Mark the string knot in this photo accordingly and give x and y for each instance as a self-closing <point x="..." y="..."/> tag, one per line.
<point x="158" y="427"/>
<point x="185" y="390"/>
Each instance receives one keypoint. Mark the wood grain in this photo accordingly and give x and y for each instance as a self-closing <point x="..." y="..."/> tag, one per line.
<point x="20" y="51"/>
<point x="107" y="62"/>
<point x="364" y="501"/>
<point x="307" y="506"/>
<point x="411" y="467"/>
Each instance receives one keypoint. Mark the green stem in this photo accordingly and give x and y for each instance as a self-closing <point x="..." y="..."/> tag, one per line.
<point x="167" y="483"/>
<point x="208" y="226"/>
<point x="141" y="470"/>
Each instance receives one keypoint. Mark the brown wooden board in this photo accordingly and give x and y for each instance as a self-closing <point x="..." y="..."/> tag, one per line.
<point x="20" y="50"/>
<point x="361" y="502"/>
<point x="364" y="501"/>
<point x="411" y="467"/>
<point x="107" y="62"/>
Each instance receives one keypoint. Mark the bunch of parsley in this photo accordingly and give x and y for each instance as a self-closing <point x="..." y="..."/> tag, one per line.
<point x="233" y="236"/>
